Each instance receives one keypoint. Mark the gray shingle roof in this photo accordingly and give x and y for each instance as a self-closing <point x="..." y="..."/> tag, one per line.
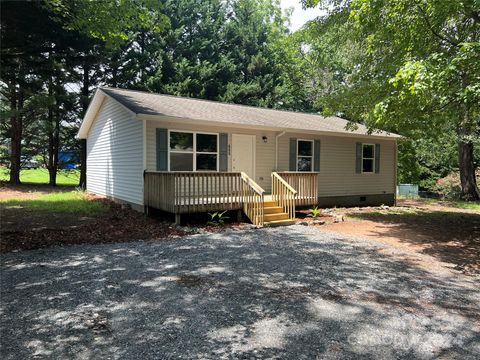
<point x="146" y="103"/>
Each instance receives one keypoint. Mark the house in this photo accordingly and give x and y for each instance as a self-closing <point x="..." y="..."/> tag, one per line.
<point x="186" y="155"/>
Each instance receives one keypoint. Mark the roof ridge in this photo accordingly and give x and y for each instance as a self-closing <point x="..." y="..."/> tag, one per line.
<point x="227" y="103"/>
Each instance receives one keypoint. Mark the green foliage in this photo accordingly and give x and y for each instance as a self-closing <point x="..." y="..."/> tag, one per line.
<point x="449" y="187"/>
<point x="72" y="202"/>
<point x="112" y="21"/>
<point x="217" y="218"/>
<point x="314" y="213"/>
<point x="40" y="176"/>
<point x="406" y="66"/>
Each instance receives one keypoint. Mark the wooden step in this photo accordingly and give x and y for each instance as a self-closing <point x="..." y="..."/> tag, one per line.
<point x="275" y="217"/>
<point x="270" y="203"/>
<point x="279" y="222"/>
<point x="273" y="210"/>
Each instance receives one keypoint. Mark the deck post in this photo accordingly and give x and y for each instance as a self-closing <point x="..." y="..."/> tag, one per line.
<point x="239" y="215"/>
<point x="177" y="219"/>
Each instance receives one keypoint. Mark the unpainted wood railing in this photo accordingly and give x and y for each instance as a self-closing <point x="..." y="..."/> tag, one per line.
<point x="253" y="200"/>
<point x="190" y="192"/>
<point x="283" y="194"/>
<point x="306" y="185"/>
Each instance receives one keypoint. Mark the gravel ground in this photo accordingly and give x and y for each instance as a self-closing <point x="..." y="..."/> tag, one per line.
<point x="289" y="293"/>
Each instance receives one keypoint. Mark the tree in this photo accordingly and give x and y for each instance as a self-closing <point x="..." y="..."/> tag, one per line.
<point x="55" y="52"/>
<point x="417" y="69"/>
<point x="27" y="33"/>
<point x="100" y="27"/>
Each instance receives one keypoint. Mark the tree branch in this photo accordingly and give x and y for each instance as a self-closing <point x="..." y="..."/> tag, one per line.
<point x="430" y="26"/>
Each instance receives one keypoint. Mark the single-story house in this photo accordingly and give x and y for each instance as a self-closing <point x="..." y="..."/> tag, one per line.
<point x="186" y="155"/>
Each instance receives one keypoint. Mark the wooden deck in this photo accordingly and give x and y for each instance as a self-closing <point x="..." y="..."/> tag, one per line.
<point x="194" y="192"/>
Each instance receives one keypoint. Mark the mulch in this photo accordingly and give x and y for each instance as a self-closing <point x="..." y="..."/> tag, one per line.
<point x="23" y="229"/>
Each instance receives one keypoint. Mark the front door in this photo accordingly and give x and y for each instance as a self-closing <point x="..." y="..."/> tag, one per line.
<point x="243" y="154"/>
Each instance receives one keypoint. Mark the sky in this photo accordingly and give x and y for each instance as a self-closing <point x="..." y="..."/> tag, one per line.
<point x="299" y="16"/>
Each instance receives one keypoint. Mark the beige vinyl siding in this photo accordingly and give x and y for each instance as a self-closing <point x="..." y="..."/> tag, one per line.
<point x="115" y="154"/>
<point x="265" y="160"/>
<point x="337" y="159"/>
<point x="337" y="165"/>
<point x="264" y="152"/>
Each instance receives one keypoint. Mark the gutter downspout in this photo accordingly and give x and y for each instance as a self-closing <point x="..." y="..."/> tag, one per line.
<point x="276" y="149"/>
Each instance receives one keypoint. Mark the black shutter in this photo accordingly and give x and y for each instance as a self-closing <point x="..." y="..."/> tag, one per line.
<point x="377" y="158"/>
<point x="358" y="162"/>
<point x="316" y="155"/>
<point x="162" y="149"/>
<point x="292" y="163"/>
<point x="223" y="161"/>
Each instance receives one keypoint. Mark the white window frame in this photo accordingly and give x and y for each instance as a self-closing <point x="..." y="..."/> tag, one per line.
<point x="194" y="152"/>
<point x="303" y="156"/>
<point x="372" y="158"/>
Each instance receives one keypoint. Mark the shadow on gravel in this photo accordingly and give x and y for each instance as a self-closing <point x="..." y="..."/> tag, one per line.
<point x="270" y="293"/>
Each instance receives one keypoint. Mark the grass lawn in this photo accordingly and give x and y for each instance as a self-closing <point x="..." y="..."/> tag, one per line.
<point x="40" y="176"/>
<point x="459" y="204"/>
<point x="73" y="202"/>
<point x="467" y="205"/>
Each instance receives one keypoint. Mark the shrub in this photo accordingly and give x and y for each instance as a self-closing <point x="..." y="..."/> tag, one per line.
<point x="313" y="213"/>
<point x="449" y="187"/>
<point x="217" y="218"/>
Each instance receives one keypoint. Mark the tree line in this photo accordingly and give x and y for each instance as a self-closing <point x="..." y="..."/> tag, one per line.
<point x="410" y="66"/>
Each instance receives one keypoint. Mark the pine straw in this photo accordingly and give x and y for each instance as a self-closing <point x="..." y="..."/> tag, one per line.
<point x="120" y="224"/>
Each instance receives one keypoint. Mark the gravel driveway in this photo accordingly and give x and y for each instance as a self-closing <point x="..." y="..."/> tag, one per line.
<point x="294" y="292"/>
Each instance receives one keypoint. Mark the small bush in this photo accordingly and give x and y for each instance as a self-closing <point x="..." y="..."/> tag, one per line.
<point x="450" y="188"/>
<point x="217" y="218"/>
<point x="313" y="213"/>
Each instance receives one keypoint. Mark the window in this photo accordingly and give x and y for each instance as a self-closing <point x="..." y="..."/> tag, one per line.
<point x="206" y="152"/>
<point x="193" y="151"/>
<point x="304" y="155"/>
<point x="368" y="158"/>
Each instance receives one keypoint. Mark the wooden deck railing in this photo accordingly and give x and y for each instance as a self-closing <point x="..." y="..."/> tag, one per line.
<point x="283" y="194"/>
<point x="306" y="185"/>
<point x="191" y="192"/>
<point x="253" y="200"/>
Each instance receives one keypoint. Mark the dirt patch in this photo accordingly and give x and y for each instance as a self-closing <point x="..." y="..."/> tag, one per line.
<point x="24" y="229"/>
<point x="445" y="234"/>
<point x="16" y="220"/>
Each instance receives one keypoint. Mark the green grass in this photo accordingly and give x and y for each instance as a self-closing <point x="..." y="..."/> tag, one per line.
<point x="72" y="202"/>
<point x="379" y="214"/>
<point x="472" y="205"/>
<point x="460" y="204"/>
<point x="40" y="176"/>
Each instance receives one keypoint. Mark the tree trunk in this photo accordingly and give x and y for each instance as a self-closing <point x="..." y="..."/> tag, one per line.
<point x="51" y="169"/>
<point x="56" y="147"/>
<point x="83" y="142"/>
<point x="465" y="159"/>
<point x="467" y="171"/>
<point x="52" y="173"/>
<point x="16" y="129"/>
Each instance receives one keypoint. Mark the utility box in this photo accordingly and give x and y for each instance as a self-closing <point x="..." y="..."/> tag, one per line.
<point x="407" y="190"/>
